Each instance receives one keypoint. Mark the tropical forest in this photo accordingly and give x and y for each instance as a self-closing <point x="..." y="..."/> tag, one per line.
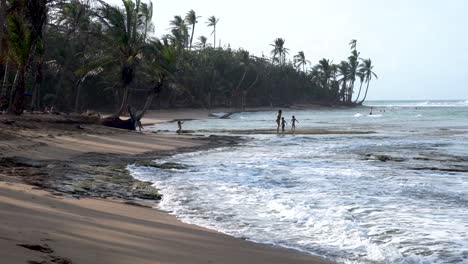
<point x="76" y="55"/>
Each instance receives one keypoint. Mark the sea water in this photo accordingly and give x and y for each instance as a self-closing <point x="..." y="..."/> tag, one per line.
<point x="398" y="194"/>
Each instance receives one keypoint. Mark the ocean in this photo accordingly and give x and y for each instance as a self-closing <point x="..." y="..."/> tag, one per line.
<point x="391" y="187"/>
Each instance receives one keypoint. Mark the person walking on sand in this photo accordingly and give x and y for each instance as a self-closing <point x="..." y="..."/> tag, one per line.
<point x="179" y="124"/>
<point x="293" y="123"/>
<point x="278" y="120"/>
<point x="283" y="124"/>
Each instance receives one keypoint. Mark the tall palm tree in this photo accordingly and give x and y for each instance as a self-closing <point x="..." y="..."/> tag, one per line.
<point x="367" y="70"/>
<point x="122" y="28"/>
<point x="192" y="19"/>
<point x="279" y="51"/>
<point x="25" y="24"/>
<point x="353" y="61"/>
<point x="213" y="22"/>
<point x="300" y="60"/>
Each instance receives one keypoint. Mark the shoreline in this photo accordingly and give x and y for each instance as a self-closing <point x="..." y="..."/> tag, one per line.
<point x="60" y="178"/>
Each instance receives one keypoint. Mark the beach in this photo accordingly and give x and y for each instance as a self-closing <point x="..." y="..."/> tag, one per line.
<point x="65" y="197"/>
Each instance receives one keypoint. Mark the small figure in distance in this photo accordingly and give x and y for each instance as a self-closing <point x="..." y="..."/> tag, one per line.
<point x="293" y="123"/>
<point x="283" y="124"/>
<point x="179" y="124"/>
<point x="370" y="111"/>
<point x="278" y="120"/>
<point x="139" y="125"/>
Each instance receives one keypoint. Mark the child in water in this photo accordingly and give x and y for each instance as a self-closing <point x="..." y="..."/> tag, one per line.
<point x="293" y="123"/>
<point x="179" y="124"/>
<point x="283" y="124"/>
<point x="278" y="120"/>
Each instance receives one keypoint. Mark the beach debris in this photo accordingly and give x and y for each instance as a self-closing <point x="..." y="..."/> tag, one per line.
<point x="41" y="248"/>
<point x="60" y="260"/>
<point x="383" y="158"/>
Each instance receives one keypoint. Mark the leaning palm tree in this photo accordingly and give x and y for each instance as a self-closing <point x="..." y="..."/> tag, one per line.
<point x="191" y="19"/>
<point x="279" y="51"/>
<point x="367" y="70"/>
<point x="213" y="22"/>
<point x="300" y="60"/>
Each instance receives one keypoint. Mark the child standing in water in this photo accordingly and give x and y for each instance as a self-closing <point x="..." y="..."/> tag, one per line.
<point x="293" y="123"/>
<point x="278" y="120"/>
<point x="283" y="124"/>
<point x="179" y="124"/>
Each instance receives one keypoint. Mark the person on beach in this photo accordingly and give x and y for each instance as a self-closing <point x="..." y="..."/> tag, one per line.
<point x="293" y="123"/>
<point x="370" y="111"/>
<point x="179" y="124"/>
<point x="283" y="124"/>
<point x="278" y="120"/>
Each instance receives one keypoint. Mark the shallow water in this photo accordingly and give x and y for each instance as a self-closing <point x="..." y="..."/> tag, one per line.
<point x="397" y="196"/>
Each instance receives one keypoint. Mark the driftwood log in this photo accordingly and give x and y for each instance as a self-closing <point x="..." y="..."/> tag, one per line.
<point x="134" y="121"/>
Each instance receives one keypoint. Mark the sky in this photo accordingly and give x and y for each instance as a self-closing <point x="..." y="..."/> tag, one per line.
<point x="419" y="48"/>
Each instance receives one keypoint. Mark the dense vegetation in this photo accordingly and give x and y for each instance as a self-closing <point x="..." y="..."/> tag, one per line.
<point x="84" y="54"/>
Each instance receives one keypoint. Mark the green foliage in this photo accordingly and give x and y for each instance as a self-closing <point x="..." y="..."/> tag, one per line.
<point x="105" y="57"/>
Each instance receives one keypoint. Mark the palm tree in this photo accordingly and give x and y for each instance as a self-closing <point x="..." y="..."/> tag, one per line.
<point x="124" y="29"/>
<point x="212" y="22"/>
<point x="366" y="69"/>
<point x="191" y="18"/>
<point x="361" y="81"/>
<point x="353" y="61"/>
<point x="202" y="42"/>
<point x="344" y="73"/>
<point x="179" y="32"/>
<point x="279" y="51"/>
<point x="300" y="60"/>
<point x="25" y="24"/>
<point x="323" y="72"/>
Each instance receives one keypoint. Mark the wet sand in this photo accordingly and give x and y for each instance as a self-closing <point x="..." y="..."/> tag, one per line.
<point x="42" y="223"/>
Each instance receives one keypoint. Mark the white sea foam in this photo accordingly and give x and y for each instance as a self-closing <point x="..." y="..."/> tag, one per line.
<point x="324" y="195"/>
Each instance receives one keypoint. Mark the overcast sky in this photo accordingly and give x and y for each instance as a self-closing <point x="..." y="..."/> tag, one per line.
<point x="419" y="47"/>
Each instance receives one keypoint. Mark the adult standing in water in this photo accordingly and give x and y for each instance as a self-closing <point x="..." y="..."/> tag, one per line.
<point x="278" y="120"/>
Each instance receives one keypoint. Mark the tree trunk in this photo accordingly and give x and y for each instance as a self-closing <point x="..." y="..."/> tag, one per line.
<point x="236" y="90"/>
<point x="365" y="95"/>
<point x="37" y="84"/>
<point x="214" y="32"/>
<point x="16" y="107"/>
<point x="4" y="90"/>
<point x="359" y="93"/>
<point x="124" y="103"/>
<point x="2" y="21"/>
<point x="191" y="37"/>
<point x="77" y="96"/>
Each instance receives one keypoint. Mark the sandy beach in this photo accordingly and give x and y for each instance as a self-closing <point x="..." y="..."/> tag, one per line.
<point x="54" y="174"/>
